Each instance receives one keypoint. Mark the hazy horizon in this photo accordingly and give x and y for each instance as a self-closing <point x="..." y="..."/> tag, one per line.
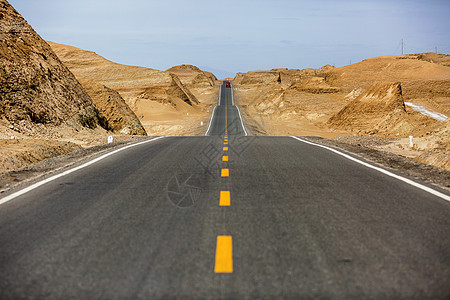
<point x="239" y="36"/>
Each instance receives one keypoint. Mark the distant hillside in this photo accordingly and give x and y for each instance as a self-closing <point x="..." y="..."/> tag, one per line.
<point x="135" y="84"/>
<point x="419" y="77"/>
<point x="192" y="76"/>
<point x="393" y="96"/>
<point x="173" y="102"/>
<point x="318" y="94"/>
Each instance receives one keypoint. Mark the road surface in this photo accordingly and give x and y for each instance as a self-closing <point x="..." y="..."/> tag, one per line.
<point x="163" y="220"/>
<point x="226" y="118"/>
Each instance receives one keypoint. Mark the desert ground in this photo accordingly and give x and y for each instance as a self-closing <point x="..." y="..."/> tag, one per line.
<point x="377" y="103"/>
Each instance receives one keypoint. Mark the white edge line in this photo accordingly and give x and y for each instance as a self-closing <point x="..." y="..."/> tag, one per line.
<point x="243" y="127"/>
<point x="240" y="116"/>
<point x="40" y="183"/>
<point x="212" y="114"/>
<point x="406" y="180"/>
<point x="232" y="97"/>
<point x="210" y="122"/>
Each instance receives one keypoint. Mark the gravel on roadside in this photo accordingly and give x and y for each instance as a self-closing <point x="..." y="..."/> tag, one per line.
<point x="394" y="163"/>
<point x="48" y="167"/>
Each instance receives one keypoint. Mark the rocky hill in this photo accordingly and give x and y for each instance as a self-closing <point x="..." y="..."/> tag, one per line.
<point x="44" y="110"/>
<point x="288" y="101"/>
<point x="389" y="96"/>
<point x="41" y="102"/>
<point x="121" y="119"/>
<point x="313" y="96"/>
<point x="161" y="101"/>
<point x="193" y="77"/>
<point x="420" y="78"/>
<point x="37" y="91"/>
<point x="132" y="83"/>
<point x="378" y="110"/>
<point x="282" y="76"/>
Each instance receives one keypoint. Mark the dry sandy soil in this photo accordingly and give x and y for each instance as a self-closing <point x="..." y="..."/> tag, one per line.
<point x="172" y="102"/>
<point x="55" y="99"/>
<point x="44" y="109"/>
<point x="389" y="96"/>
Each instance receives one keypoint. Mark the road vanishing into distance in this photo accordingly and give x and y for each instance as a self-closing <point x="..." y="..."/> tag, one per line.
<point x="227" y="215"/>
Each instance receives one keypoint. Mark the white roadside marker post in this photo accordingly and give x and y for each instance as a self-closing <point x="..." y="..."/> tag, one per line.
<point x="110" y="139"/>
<point x="411" y="141"/>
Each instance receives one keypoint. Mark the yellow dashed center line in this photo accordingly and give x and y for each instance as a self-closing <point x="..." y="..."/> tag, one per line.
<point x="224" y="254"/>
<point x="225" y="173"/>
<point x="226" y="114"/>
<point x="225" y="199"/>
<point x="224" y="247"/>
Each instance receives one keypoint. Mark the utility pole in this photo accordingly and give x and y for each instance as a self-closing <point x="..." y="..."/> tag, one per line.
<point x="402" y="46"/>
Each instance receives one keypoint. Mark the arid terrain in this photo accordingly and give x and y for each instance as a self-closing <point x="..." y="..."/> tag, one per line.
<point x="44" y="109"/>
<point x="377" y="103"/>
<point x="171" y="102"/>
<point x="56" y="99"/>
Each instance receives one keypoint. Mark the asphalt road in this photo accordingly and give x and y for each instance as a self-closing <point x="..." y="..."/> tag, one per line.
<point x="226" y="118"/>
<point x="300" y="222"/>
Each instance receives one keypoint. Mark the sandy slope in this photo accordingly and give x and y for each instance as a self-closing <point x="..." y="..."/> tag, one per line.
<point x="164" y="103"/>
<point x="42" y="105"/>
<point x="121" y="119"/>
<point x="353" y="100"/>
<point x="36" y="89"/>
<point x="45" y="111"/>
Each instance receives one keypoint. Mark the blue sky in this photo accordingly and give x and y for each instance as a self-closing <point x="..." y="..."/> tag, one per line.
<point x="241" y="35"/>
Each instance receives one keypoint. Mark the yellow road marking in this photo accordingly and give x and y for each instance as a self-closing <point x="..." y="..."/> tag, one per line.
<point x="225" y="199"/>
<point x="225" y="148"/>
<point x="225" y="143"/>
<point x="224" y="158"/>
<point x="225" y="172"/>
<point x="224" y="254"/>
<point x="226" y="113"/>
<point x="226" y="140"/>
